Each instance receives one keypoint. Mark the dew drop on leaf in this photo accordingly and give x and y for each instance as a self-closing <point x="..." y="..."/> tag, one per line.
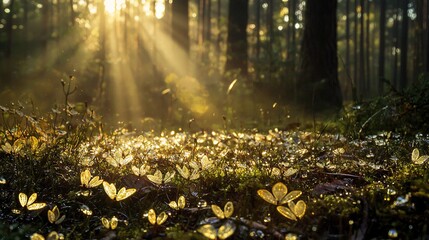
<point x="202" y="203"/>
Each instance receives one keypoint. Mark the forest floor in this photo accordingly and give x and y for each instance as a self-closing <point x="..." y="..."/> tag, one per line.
<point x="298" y="184"/>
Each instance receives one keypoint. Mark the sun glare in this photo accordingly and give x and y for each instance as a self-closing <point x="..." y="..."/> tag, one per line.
<point x="111" y="6"/>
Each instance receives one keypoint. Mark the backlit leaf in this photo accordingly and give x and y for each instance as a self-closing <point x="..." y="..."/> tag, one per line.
<point x="208" y="231"/>
<point x="113" y="222"/>
<point x="156" y="177"/>
<point x="22" y="199"/>
<point x="300" y="208"/>
<point x="36" y="236"/>
<point x="151" y="216"/>
<point x="226" y="230"/>
<point x="267" y="196"/>
<point x="110" y="190"/>
<point x="218" y="211"/>
<point x="228" y="209"/>
<point x="279" y="191"/>
<point x="36" y="206"/>
<point x="162" y="217"/>
<point x="125" y="193"/>
<point x="286" y="212"/>
<point x="291" y="196"/>
<point x="32" y="199"/>
<point x="181" y="202"/>
<point x="105" y="222"/>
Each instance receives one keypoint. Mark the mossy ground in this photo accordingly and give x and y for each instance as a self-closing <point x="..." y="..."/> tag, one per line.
<point x="354" y="187"/>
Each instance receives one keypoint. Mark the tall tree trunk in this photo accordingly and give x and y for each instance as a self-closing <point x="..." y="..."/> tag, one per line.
<point x="258" y="28"/>
<point x="237" y="36"/>
<point x="347" y="67"/>
<point x="404" y="45"/>
<point x="319" y="87"/>
<point x="9" y="29"/>
<point x="72" y="13"/>
<point x="382" y="47"/>
<point x="355" y="53"/>
<point x="368" y="51"/>
<point x="362" y="81"/>
<point x="270" y="32"/>
<point x="180" y="24"/>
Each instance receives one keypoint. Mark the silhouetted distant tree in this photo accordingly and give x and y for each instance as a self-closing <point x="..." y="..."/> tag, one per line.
<point x="237" y="36"/>
<point x="318" y="86"/>
<point x="180" y="23"/>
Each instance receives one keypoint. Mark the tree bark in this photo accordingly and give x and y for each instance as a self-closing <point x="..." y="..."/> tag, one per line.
<point x="319" y="88"/>
<point x="237" y="36"/>
<point x="180" y="23"/>
<point x="404" y="45"/>
<point x="382" y="47"/>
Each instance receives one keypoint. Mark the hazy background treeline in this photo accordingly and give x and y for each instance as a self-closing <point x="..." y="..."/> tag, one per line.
<point x="223" y="63"/>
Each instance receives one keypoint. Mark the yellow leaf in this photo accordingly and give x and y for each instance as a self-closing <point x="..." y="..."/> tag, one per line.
<point x="105" y="222"/>
<point x="279" y="191"/>
<point x="415" y="155"/>
<point x="53" y="236"/>
<point x="181" y="202"/>
<point x="125" y="193"/>
<point x="300" y="208"/>
<point x="36" y="206"/>
<point x="291" y="196"/>
<point x="23" y="199"/>
<point x="85" y="177"/>
<point x="32" y="199"/>
<point x="114" y="222"/>
<point x="184" y="171"/>
<point x="162" y="217"/>
<point x="218" y="211"/>
<point x="285" y="211"/>
<point x="228" y="209"/>
<point x="156" y="177"/>
<point x="267" y="196"/>
<point x="37" y="236"/>
<point x="110" y="190"/>
<point x="151" y="216"/>
<point x="208" y="231"/>
<point x="226" y="230"/>
<point x="173" y="205"/>
<point x="95" y="182"/>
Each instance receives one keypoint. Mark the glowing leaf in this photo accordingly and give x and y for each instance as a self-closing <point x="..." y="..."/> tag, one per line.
<point x="125" y="193"/>
<point x="53" y="236"/>
<point x="34" y="143"/>
<point x="151" y="216"/>
<point x="279" y="191"/>
<point x="208" y="231"/>
<point x="162" y="217"/>
<point x="416" y="158"/>
<point x="291" y="196"/>
<point x="156" y="177"/>
<point x="85" y="177"/>
<point x="181" y="202"/>
<point x="184" y="172"/>
<point x="32" y="199"/>
<point x="23" y="199"/>
<point x="36" y="206"/>
<point x="95" y="181"/>
<point x="228" y="209"/>
<point x="140" y="171"/>
<point x="267" y="196"/>
<point x="110" y="190"/>
<point x="114" y="222"/>
<point x="105" y="222"/>
<point x="285" y="211"/>
<point x="53" y="214"/>
<point x="218" y="211"/>
<point x="226" y="230"/>
<point x="300" y="208"/>
<point x="415" y="154"/>
<point x="37" y="236"/>
<point x="206" y="163"/>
